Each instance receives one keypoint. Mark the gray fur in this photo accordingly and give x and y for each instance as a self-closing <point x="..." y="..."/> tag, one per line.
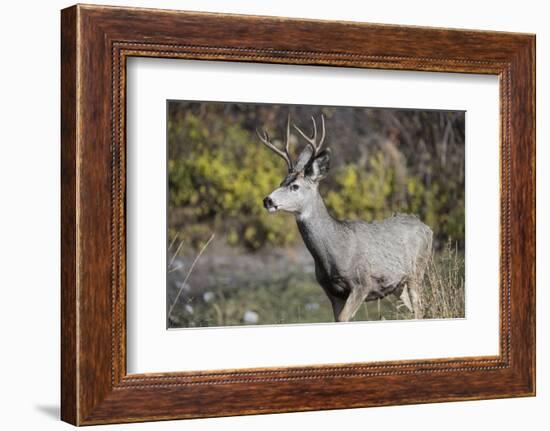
<point x="355" y="261"/>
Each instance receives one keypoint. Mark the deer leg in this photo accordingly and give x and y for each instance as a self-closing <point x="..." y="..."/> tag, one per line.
<point x="414" y="290"/>
<point x="416" y="286"/>
<point x="337" y="305"/>
<point x="354" y="301"/>
<point x="406" y="298"/>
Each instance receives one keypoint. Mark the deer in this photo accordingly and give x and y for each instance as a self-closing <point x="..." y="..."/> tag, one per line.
<point x="355" y="260"/>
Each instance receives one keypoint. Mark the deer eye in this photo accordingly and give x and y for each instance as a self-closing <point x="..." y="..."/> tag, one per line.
<point x="294" y="187"/>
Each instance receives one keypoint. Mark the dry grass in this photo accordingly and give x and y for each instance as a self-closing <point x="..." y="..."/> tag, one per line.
<point x="292" y="296"/>
<point x="443" y="294"/>
<point x="170" y="267"/>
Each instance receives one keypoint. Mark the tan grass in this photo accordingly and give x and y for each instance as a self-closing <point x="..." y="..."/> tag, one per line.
<point x="443" y="294"/>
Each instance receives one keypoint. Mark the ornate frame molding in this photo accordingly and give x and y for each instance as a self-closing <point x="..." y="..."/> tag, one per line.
<point x="96" y="41"/>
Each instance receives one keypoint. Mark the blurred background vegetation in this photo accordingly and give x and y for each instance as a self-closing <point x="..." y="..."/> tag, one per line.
<point x="256" y="268"/>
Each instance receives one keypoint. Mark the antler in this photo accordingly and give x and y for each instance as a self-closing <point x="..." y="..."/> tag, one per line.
<point x="284" y="154"/>
<point x="312" y="142"/>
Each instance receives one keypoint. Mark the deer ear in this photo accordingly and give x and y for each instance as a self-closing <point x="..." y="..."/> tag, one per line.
<point x="303" y="159"/>
<point x="319" y="168"/>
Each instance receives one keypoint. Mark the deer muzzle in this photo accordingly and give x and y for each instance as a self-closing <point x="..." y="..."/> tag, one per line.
<point x="269" y="204"/>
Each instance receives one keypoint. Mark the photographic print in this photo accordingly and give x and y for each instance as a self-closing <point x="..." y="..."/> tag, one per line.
<point x="265" y="212"/>
<point x="300" y="214"/>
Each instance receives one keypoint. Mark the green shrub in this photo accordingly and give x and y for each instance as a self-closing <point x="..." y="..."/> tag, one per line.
<point x="219" y="173"/>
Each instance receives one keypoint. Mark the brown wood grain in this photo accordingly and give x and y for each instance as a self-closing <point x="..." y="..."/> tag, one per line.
<point x="96" y="41"/>
<point x="69" y="367"/>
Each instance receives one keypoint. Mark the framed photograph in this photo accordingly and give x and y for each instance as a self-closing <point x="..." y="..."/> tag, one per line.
<point x="266" y="215"/>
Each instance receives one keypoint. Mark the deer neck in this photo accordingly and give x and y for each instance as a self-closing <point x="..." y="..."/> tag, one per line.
<point x="317" y="227"/>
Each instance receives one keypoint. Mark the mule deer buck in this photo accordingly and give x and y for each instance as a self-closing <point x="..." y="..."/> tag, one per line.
<point x="355" y="261"/>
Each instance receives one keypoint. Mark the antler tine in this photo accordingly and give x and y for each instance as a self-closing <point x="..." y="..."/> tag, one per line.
<point x="267" y="142"/>
<point x="322" y="132"/>
<point x="312" y="142"/>
<point x="287" y="143"/>
<point x="309" y="140"/>
<point x="314" y="138"/>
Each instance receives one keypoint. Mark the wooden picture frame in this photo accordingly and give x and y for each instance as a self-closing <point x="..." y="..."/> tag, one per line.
<point x="95" y="43"/>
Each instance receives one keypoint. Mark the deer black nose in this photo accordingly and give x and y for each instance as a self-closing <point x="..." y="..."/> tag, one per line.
<point x="268" y="203"/>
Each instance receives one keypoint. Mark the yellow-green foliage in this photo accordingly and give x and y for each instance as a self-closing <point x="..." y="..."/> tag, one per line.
<point x="219" y="181"/>
<point x="371" y="194"/>
<point x="360" y="193"/>
<point x="219" y="173"/>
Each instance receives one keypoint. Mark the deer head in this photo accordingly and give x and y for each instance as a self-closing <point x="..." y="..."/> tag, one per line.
<point x="299" y="188"/>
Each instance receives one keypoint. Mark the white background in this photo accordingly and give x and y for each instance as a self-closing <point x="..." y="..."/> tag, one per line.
<point x="29" y="228"/>
<point x="151" y="348"/>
